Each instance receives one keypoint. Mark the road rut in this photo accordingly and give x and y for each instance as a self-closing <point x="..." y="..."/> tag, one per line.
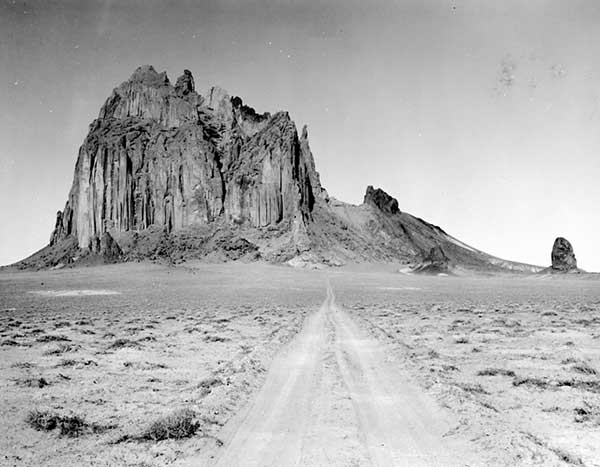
<point x="335" y="397"/>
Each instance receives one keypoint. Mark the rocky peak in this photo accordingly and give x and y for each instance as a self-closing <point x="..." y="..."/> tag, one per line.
<point x="379" y="199"/>
<point x="148" y="76"/>
<point x="149" y="95"/>
<point x="185" y="83"/>
<point x="563" y="257"/>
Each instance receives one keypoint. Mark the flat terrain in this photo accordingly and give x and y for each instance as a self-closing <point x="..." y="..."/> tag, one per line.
<point x="278" y="366"/>
<point x="122" y="346"/>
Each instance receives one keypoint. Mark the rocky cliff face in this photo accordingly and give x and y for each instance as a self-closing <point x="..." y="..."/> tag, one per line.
<point x="163" y="155"/>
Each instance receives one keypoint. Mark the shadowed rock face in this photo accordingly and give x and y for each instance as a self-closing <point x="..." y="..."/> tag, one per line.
<point x="381" y="200"/>
<point x="163" y="155"/>
<point x="563" y="257"/>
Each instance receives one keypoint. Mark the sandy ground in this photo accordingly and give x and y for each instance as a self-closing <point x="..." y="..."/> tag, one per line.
<point x="121" y="346"/>
<point x="335" y="398"/>
<point x="517" y="360"/>
<point x="378" y="369"/>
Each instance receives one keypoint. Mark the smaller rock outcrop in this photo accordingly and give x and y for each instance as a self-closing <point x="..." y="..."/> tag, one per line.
<point x="563" y="257"/>
<point x="436" y="262"/>
<point x="185" y="83"/>
<point x="381" y="200"/>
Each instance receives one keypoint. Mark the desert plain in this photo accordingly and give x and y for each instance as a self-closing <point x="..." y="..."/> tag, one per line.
<point x="144" y="364"/>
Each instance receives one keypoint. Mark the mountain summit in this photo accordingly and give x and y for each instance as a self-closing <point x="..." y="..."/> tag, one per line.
<point x="166" y="172"/>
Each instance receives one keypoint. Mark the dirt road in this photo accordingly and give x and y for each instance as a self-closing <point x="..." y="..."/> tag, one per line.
<point x="335" y="397"/>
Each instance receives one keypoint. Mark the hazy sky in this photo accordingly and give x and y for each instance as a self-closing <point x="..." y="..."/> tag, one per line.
<point x="481" y="117"/>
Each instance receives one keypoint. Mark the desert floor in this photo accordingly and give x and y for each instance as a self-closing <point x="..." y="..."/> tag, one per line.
<point x="252" y="364"/>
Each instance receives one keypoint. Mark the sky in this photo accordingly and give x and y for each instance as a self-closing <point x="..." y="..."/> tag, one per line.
<point x="480" y="117"/>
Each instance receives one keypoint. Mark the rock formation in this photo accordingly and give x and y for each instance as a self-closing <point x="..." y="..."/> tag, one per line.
<point x="563" y="257"/>
<point x="162" y="155"/>
<point x="380" y="199"/>
<point x="166" y="172"/>
<point x="436" y="262"/>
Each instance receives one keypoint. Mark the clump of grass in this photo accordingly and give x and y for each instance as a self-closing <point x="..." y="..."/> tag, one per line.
<point x="23" y="365"/>
<point x="538" y="382"/>
<point x="9" y="342"/>
<point x="70" y="362"/>
<point x="32" y="382"/>
<point x="177" y="425"/>
<point x="585" y="369"/>
<point x="208" y="385"/>
<point x="60" y="349"/>
<point x="62" y="324"/>
<point x="461" y="340"/>
<point x="53" y="338"/>
<point x="214" y="338"/>
<point x="472" y="388"/>
<point x="144" y="365"/>
<point x="495" y="372"/>
<point x="68" y="425"/>
<point x="122" y="343"/>
<point x="590" y="386"/>
<point x="67" y="362"/>
<point x="587" y="413"/>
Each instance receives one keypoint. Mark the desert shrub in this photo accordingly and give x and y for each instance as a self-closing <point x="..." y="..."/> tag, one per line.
<point x="566" y="361"/>
<point x="23" y="365"/>
<point x="9" y="342"/>
<point x="68" y="425"/>
<point x="584" y="368"/>
<point x="121" y="343"/>
<point x="215" y="338"/>
<point x="538" y="382"/>
<point x="472" y="388"/>
<point x="62" y="348"/>
<point x="53" y="338"/>
<point x="549" y="313"/>
<point x="179" y="424"/>
<point x="590" y="386"/>
<point x="462" y="340"/>
<point x="495" y="372"/>
<point x="42" y="420"/>
<point x="70" y="362"/>
<point x="62" y="324"/>
<point x="32" y="382"/>
<point x="587" y="413"/>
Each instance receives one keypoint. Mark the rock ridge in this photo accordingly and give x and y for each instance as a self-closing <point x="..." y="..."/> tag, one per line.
<point x="381" y="200"/>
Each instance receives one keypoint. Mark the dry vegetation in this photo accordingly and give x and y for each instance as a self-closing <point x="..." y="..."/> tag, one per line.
<point x="150" y="374"/>
<point x="144" y="376"/>
<point x="516" y="358"/>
